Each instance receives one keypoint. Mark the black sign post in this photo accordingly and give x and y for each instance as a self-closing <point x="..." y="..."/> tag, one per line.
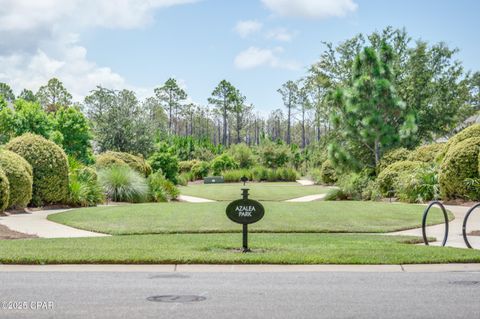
<point x="245" y="211"/>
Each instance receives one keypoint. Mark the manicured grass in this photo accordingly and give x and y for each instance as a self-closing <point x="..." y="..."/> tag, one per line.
<point x="223" y="249"/>
<point x="258" y="191"/>
<point x="346" y="216"/>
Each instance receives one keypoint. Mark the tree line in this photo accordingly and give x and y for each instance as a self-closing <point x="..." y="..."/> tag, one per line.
<point x="422" y="89"/>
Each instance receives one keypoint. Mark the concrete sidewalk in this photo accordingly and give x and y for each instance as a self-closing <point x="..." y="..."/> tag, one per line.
<point x="243" y="268"/>
<point x="455" y="237"/>
<point x="36" y="223"/>
<point x="308" y="198"/>
<point x="193" y="199"/>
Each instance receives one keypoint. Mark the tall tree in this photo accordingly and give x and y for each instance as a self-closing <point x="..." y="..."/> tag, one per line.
<point x="305" y="105"/>
<point x="223" y="98"/>
<point x="119" y="121"/>
<point x="289" y="92"/>
<point x="53" y="95"/>
<point x="369" y="114"/>
<point x="27" y="95"/>
<point x="6" y="92"/>
<point x="171" y="96"/>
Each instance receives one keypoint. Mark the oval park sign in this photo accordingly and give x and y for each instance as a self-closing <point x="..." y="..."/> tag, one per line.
<point x="245" y="211"/>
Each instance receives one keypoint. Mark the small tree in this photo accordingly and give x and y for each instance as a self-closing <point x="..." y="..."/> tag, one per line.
<point x="370" y="116"/>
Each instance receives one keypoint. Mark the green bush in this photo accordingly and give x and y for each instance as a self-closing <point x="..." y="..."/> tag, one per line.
<point x="166" y="163"/>
<point x="273" y="155"/>
<point x="387" y="179"/>
<point x="327" y="173"/>
<point x="316" y="175"/>
<point x="469" y="132"/>
<point x="235" y="176"/>
<point x="335" y="194"/>
<point x="183" y="179"/>
<point x="4" y="191"/>
<point x="161" y="189"/>
<point x="120" y="158"/>
<point x="418" y="186"/>
<point x="123" y="184"/>
<point x="393" y="156"/>
<point x="49" y="164"/>
<point x="200" y="170"/>
<point x="242" y="154"/>
<point x="19" y="174"/>
<point x="427" y="153"/>
<point x="222" y="163"/>
<point x="353" y="185"/>
<point x="459" y="164"/>
<point x="259" y="173"/>
<point x="84" y="187"/>
<point x="186" y="166"/>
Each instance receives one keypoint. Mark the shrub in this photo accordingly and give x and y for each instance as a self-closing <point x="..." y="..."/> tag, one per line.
<point x="274" y="155"/>
<point x="19" y="174"/>
<point x="259" y="173"/>
<point x="316" y="175"/>
<point x="420" y="185"/>
<point x="459" y="164"/>
<point x="161" y="189"/>
<point x="120" y="158"/>
<point x="427" y="153"/>
<point x="183" y="179"/>
<point x="235" y="176"/>
<point x="353" y="185"/>
<point x="222" y="163"/>
<point x="242" y="154"/>
<point x="84" y="187"/>
<point x="327" y="173"/>
<point x="49" y="164"/>
<point x="123" y="184"/>
<point x="200" y="170"/>
<point x="335" y="194"/>
<point x="393" y="156"/>
<point x="166" y="163"/>
<point x="4" y="191"/>
<point x="387" y="179"/>
<point x="469" y="132"/>
<point x="186" y="166"/>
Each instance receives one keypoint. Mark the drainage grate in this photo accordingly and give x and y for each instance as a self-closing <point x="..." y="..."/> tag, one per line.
<point x="176" y="298"/>
<point x="465" y="283"/>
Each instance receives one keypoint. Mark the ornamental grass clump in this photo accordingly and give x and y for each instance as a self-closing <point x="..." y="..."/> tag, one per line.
<point x="122" y="184"/>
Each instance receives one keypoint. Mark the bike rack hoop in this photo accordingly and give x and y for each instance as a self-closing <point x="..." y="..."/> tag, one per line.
<point x="424" y="221"/>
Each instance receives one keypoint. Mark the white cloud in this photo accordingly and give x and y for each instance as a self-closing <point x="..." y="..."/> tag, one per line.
<point x="254" y="57"/>
<point x="247" y="27"/>
<point x="40" y="40"/>
<point x="314" y="9"/>
<point x="281" y="34"/>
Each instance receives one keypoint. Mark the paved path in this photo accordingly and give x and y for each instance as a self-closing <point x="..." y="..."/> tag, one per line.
<point x="241" y="295"/>
<point x="309" y="198"/>
<point x="455" y="237"/>
<point x="305" y="182"/>
<point x="36" y="223"/>
<point x="193" y="199"/>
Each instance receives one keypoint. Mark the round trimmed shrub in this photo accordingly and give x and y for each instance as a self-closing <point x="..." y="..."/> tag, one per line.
<point x="136" y="163"/>
<point x="4" y="190"/>
<point x="19" y="174"/>
<point x="388" y="177"/>
<point x="328" y="173"/>
<point x="469" y="132"/>
<point x="393" y="156"/>
<point x="427" y="153"/>
<point x="49" y="164"/>
<point x="222" y="163"/>
<point x="460" y="163"/>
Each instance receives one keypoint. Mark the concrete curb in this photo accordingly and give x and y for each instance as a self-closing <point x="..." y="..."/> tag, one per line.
<point x="242" y="268"/>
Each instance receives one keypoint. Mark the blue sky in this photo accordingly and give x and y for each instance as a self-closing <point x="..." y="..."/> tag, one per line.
<point x="255" y="44"/>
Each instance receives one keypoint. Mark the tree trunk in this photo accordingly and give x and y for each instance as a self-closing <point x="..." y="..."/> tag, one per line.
<point x="289" y="124"/>
<point x="303" y="127"/>
<point x="377" y="152"/>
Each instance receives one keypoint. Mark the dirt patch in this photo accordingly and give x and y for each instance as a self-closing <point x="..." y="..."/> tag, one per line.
<point x="7" y="233"/>
<point x="474" y="233"/>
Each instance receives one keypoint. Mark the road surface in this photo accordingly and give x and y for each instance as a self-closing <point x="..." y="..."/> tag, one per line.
<point x="75" y="294"/>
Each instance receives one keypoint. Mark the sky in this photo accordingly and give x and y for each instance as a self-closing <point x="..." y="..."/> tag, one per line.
<point x="255" y="44"/>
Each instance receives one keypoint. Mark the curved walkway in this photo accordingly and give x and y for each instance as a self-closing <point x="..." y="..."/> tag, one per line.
<point x="36" y="223"/>
<point x="308" y="198"/>
<point x="193" y="199"/>
<point x="455" y="237"/>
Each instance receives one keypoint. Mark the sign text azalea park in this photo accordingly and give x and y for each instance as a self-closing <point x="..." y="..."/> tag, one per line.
<point x="245" y="211"/>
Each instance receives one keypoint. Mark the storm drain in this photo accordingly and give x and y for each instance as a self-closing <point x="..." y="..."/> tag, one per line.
<point x="176" y="298"/>
<point x="465" y="283"/>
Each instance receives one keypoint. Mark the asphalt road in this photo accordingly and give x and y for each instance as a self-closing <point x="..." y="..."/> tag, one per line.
<point x="240" y="295"/>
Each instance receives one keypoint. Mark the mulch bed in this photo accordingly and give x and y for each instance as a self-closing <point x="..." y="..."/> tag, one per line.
<point x="7" y="233"/>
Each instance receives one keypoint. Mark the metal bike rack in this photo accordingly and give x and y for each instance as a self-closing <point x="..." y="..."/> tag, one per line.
<point x="464" y="227"/>
<point x="424" y="221"/>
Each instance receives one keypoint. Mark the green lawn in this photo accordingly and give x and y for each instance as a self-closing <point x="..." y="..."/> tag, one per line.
<point x="223" y="249"/>
<point x="258" y="191"/>
<point x="175" y="217"/>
